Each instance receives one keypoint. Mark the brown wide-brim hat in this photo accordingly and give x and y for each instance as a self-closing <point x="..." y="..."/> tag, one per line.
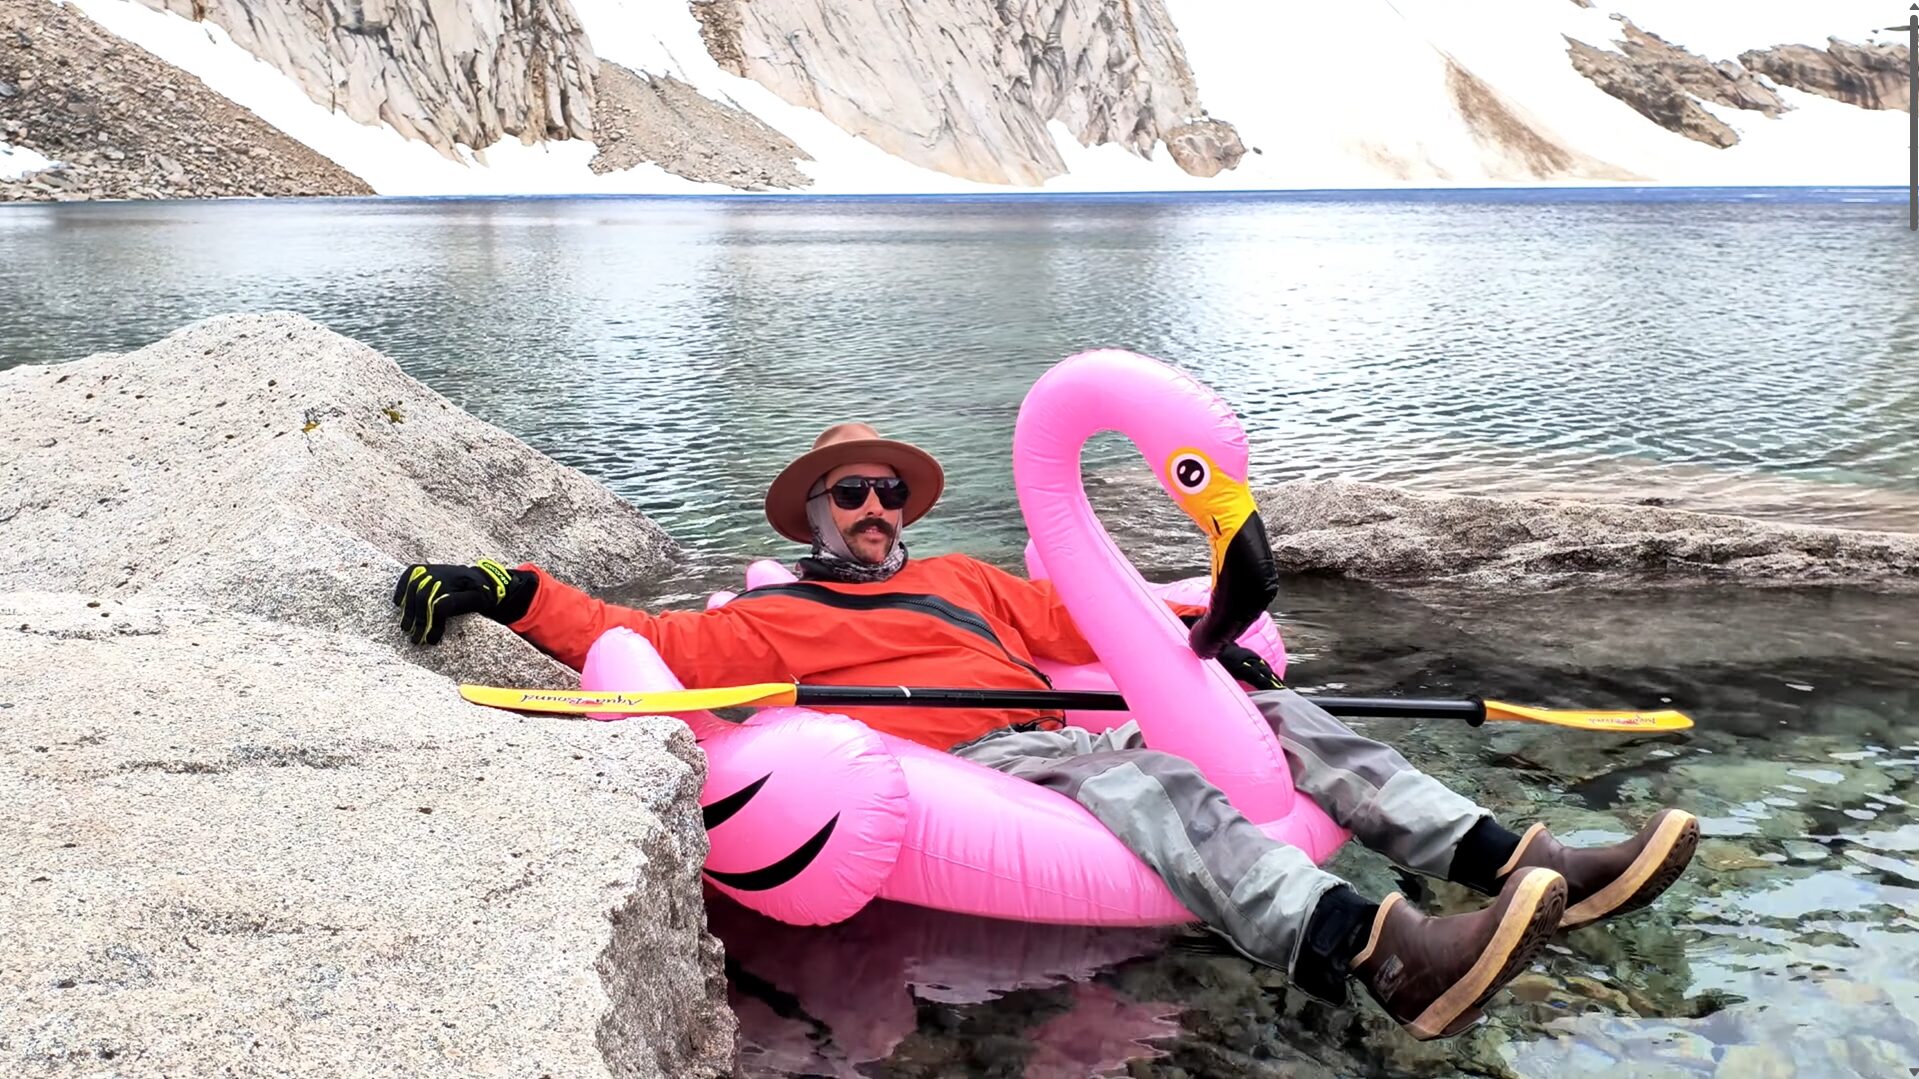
<point x="846" y="444"/>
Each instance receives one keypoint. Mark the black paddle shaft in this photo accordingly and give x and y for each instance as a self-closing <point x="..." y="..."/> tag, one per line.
<point x="1470" y="709"/>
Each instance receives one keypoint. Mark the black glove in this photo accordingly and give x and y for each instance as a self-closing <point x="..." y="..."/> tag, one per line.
<point x="429" y="595"/>
<point x="1243" y="663"/>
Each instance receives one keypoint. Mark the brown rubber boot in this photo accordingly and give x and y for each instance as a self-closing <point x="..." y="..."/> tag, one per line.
<point x="1434" y="974"/>
<point x="1604" y="881"/>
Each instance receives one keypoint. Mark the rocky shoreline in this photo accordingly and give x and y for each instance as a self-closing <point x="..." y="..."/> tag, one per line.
<point x="250" y="826"/>
<point x="1509" y="544"/>
<point x="1373" y="532"/>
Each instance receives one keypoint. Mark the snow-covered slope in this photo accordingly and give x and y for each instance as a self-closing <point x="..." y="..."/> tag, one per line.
<point x="390" y="163"/>
<point x="1353" y="93"/>
<point x="1372" y="75"/>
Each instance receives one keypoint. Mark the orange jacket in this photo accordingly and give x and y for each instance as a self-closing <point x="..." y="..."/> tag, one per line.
<point x="950" y="620"/>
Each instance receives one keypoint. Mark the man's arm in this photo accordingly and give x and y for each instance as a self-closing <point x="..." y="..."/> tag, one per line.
<point x="703" y="648"/>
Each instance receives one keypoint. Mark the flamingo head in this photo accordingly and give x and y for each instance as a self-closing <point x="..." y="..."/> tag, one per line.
<point x="1245" y="577"/>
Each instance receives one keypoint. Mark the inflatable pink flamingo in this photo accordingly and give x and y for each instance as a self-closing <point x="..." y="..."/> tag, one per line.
<point x="1184" y="705"/>
<point x="811" y="815"/>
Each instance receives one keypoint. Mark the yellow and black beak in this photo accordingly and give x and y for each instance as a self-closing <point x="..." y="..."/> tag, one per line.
<point x="1245" y="577"/>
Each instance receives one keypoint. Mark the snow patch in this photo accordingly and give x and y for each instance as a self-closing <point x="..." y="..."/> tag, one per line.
<point x="18" y="161"/>
<point x="1374" y="72"/>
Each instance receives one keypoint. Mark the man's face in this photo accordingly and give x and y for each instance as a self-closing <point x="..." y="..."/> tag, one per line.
<point x="869" y="528"/>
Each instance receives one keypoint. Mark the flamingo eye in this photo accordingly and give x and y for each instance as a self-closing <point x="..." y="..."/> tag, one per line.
<point x="1190" y="473"/>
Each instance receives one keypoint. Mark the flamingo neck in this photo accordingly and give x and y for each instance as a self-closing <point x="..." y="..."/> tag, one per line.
<point x="1090" y="572"/>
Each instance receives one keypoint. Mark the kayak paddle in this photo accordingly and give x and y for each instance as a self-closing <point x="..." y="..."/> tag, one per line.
<point x="770" y="694"/>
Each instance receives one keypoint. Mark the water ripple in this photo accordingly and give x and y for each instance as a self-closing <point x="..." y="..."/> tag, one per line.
<point x="1746" y="356"/>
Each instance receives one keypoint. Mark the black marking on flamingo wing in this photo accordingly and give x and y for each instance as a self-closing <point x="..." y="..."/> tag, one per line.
<point x="772" y="876"/>
<point x="716" y="814"/>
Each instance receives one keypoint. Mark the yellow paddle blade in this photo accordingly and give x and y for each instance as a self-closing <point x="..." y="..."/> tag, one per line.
<point x="663" y="702"/>
<point x="1654" y="722"/>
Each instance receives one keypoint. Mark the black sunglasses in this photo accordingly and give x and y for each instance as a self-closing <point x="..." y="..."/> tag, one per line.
<point x="850" y="493"/>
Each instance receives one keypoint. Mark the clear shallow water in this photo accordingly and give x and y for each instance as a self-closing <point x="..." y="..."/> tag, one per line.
<point x="1791" y="942"/>
<point x="1725" y="350"/>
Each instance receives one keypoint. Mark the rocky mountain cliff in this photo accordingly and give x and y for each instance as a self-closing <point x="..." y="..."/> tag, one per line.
<point x="775" y="94"/>
<point x="470" y="72"/>
<point x="969" y="88"/>
<point x="1667" y="84"/>
<point x="1873" y="77"/>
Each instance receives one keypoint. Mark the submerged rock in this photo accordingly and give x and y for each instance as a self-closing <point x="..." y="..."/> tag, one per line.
<point x="250" y="826"/>
<point x="828" y="1000"/>
<point x="1375" y="532"/>
<point x="1827" y="1025"/>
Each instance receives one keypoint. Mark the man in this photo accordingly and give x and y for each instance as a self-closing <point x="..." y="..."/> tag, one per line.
<point x="863" y="613"/>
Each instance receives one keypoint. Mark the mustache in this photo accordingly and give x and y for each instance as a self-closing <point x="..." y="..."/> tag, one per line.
<point x="875" y="524"/>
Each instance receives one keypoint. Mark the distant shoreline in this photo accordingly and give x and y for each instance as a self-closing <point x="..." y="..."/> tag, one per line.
<point x="1515" y="193"/>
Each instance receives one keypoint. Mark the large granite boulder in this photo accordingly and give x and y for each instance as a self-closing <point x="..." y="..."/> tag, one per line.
<point x="265" y="465"/>
<point x="248" y="829"/>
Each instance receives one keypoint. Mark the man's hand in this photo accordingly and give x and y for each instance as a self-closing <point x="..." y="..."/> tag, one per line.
<point x="1249" y="667"/>
<point x="429" y="595"/>
<point x="1243" y="663"/>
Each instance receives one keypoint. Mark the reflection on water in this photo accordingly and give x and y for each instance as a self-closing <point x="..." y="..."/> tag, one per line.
<point x="822" y="1001"/>
<point x="1714" y="348"/>
<point x="1790" y="944"/>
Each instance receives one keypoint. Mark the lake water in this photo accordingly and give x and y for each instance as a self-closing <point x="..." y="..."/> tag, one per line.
<point x="1740" y="352"/>
<point x="1751" y="351"/>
